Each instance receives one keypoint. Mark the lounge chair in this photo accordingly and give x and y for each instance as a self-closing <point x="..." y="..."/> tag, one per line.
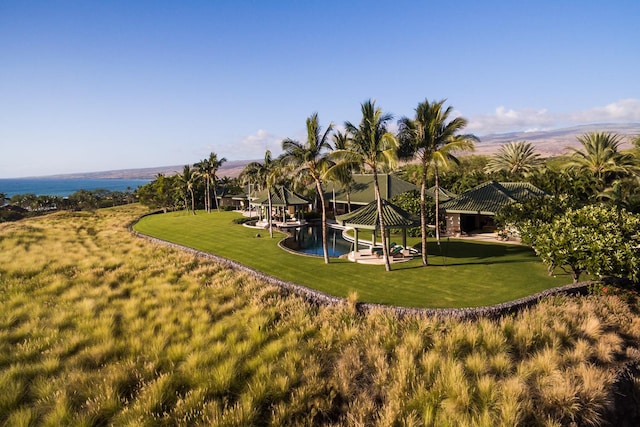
<point x="396" y="251"/>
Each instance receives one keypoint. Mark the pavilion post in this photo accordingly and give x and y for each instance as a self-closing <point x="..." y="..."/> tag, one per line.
<point x="355" y="245"/>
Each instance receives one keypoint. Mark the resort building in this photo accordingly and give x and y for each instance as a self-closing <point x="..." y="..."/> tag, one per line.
<point x="286" y="205"/>
<point x="473" y="211"/>
<point x="361" y="191"/>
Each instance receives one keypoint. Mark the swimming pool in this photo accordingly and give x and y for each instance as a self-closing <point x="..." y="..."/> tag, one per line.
<point x="308" y="240"/>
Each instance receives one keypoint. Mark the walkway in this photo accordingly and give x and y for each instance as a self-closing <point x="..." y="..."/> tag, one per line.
<point x="364" y="256"/>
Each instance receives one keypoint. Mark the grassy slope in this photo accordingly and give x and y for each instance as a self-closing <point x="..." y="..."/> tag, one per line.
<point x="100" y="328"/>
<point x="475" y="274"/>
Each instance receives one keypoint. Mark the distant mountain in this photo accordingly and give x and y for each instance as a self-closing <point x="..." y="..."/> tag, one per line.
<point x="231" y="169"/>
<point x="547" y="143"/>
<point x="554" y="142"/>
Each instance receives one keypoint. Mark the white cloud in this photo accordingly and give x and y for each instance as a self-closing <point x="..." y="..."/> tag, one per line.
<point x="625" y="110"/>
<point x="509" y="120"/>
<point x="254" y="146"/>
<point x="505" y="120"/>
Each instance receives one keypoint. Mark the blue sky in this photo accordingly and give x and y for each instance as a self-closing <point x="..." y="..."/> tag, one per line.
<point x="101" y="85"/>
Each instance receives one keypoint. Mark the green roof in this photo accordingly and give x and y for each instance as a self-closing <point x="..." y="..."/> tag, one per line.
<point x="488" y="198"/>
<point x="280" y="196"/>
<point x="444" y="194"/>
<point x="362" y="190"/>
<point x="367" y="217"/>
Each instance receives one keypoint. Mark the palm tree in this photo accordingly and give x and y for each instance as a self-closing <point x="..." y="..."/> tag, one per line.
<point x="311" y="157"/>
<point x="187" y="178"/>
<point x="3" y="199"/>
<point x="208" y="169"/>
<point x="433" y="139"/>
<point x="203" y="170"/>
<point x="342" y="173"/>
<point x="600" y="157"/>
<point x="373" y="147"/>
<point x="516" y="158"/>
<point x="215" y="164"/>
<point x="263" y="176"/>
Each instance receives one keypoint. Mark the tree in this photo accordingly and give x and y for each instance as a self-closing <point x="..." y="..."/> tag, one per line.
<point x="263" y="176"/>
<point x="433" y="139"/>
<point x="342" y="173"/>
<point x="203" y="170"/>
<point x="3" y="199"/>
<point x="373" y="147"/>
<point x="207" y="169"/>
<point x="187" y="178"/>
<point x="517" y="159"/>
<point x="311" y="157"/>
<point x="596" y="239"/>
<point x="215" y="164"/>
<point x="159" y="193"/>
<point x="528" y="215"/>
<point x="601" y="158"/>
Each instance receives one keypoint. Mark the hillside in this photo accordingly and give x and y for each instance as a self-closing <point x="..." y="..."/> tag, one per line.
<point x="231" y="169"/>
<point x="548" y="143"/>
<point x="553" y="142"/>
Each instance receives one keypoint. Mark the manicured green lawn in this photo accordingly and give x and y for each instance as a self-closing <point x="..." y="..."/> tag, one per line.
<point x="472" y="273"/>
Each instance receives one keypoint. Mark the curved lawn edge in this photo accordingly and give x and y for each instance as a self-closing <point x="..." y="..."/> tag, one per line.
<point x="316" y="297"/>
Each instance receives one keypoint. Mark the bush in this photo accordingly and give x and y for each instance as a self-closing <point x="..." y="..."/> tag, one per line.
<point x="244" y="219"/>
<point x="7" y="215"/>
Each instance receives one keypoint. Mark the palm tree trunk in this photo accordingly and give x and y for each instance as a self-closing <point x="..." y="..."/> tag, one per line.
<point x="269" y="213"/>
<point x="423" y="216"/>
<point x="207" y="198"/>
<point x="349" y="200"/>
<point x="193" y="202"/>
<point x="215" y="195"/>
<point x="383" y="230"/>
<point x="437" y="187"/>
<point x="325" y="249"/>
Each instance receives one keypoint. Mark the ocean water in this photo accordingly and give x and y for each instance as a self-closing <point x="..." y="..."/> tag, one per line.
<point x="65" y="187"/>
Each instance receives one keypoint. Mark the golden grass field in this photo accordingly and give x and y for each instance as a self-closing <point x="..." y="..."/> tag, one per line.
<point x="98" y="327"/>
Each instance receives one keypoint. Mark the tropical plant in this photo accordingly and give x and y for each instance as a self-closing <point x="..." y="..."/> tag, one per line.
<point x="342" y="173"/>
<point x="601" y="158"/>
<point x="203" y="170"/>
<point x="433" y="139"/>
<point x="375" y="148"/>
<point x="3" y="199"/>
<point x="187" y="178"/>
<point x="207" y="169"/>
<point x="264" y="176"/>
<point x="517" y="159"/>
<point x="596" y="239"/>
<point x="311" y="157"/>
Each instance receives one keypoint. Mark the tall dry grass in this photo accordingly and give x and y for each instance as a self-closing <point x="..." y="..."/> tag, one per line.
<point x="100" y="328"/>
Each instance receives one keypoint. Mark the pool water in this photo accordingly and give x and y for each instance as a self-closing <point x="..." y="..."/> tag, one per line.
<point x="308" y="240"/>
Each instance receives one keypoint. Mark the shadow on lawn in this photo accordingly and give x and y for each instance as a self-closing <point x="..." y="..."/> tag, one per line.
<point x="457" y="252"/>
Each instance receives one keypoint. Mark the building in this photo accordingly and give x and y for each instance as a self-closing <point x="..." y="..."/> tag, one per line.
<point x="361" y="191"/>
<point x="473" y="211"/>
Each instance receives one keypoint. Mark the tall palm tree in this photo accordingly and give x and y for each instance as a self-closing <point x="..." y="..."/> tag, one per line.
<point x="264" y="176"/>
<point x="600" y="157"/>
<point x="187" y="178"/>
<point x="203" y="170"/>
<point x="433" y="139"/>
<point x="375" y="148"/>
<point x="342" y="173"/>
<point x="207" y="169"/>
<point x="516" y="158"/>
<point x="215" y="165"/>
<point x="311" y="157"/>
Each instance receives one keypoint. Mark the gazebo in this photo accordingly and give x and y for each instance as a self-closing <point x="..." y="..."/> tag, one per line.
<point x="283" y="200"/>
<point x="367" y="218"/>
